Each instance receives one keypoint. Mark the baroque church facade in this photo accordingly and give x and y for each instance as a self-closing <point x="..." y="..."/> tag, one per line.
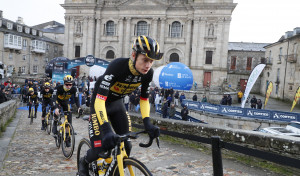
<point x="193" y="32"/>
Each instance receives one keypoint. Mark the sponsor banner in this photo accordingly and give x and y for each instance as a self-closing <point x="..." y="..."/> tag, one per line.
<point x="297" y="96"/>
<point x="268" y="93"/>
<point x="251" y="81"/>
<point x="210" y="108"/>
<point x="230" y="110"/>
<point x="285" y="116"/>
<point x="257" y="113"/>
<point x="89" y="60"/>
<point x="192" y="105"/>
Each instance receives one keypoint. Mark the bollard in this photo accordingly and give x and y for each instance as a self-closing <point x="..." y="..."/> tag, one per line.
<point x="217" y="156"/>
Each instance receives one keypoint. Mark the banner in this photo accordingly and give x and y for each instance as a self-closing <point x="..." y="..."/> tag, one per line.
<point x="297" y="96"/>
<point x="252" y="79"/>
<point x="268" y="93"/>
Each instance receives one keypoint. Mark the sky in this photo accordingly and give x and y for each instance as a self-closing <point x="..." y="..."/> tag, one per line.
<point x="258" y="21"/>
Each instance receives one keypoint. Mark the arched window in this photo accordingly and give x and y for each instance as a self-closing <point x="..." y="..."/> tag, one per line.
<point x="110" y="54"/>
<point x="142" y="28"/>
<point x="176" y="29"/>
<point x="174" y="57"/>
<point x="110" y="28"/>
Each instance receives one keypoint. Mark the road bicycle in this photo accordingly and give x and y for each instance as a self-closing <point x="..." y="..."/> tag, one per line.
<point x="31" y="115"/>
<point x="119" y="163"/>
<point x="65" y="133"/>
<point x="48" y="119"/>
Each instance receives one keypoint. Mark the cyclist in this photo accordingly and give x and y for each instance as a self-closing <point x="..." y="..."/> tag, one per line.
<point x="63" y="94"/>
<point x="46" y="93"/>
<point x="122" y="76"/>
<point x="32" y="97"/>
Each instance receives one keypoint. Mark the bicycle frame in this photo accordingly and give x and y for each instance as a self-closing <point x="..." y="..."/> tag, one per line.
<point x="63" y="127"/>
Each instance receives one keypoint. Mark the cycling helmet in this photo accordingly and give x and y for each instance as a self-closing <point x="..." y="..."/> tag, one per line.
<point x="147" y="46"/>
<point x="47" y="85"/>
<point x="68" y="79"/>
<point x="30" y="90"/>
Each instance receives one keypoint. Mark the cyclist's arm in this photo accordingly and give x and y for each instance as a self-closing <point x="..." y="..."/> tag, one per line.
<point x="144" y="100"/>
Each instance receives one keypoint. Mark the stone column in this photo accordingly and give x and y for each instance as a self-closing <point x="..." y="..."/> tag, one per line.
<point x="188" y="43"/>
<point x="71" y="29"/>
<point x="195" y="37"/>
<point x="66" y="36"/>
<point x="84" y="37"/>
<point x="127" y="38"/>
<point x="91" y="37"/>
<point x="162" y="40"/>
<point x="97" y="41"/>
<point x="120" y="36"/>
<point x="154" y="28"/>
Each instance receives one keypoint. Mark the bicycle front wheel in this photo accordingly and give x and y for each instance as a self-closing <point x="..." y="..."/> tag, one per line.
<point x="68" y="141"/>
<point x="131" y="167"/>
<point x="83" y="147"/>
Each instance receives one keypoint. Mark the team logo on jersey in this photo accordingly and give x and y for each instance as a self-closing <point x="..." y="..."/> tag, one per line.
<point x="124" y="88"/>
<point x="129" y="78"/>
<point x="101" y="97"/>
<point x="108" y="77"/>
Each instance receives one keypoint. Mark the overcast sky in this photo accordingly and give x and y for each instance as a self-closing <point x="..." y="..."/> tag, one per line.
<point x="261" y="21"/>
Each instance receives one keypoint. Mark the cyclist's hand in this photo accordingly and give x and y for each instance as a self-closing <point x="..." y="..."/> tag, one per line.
<point x="109" y="139"/>
<point x="56" y="112"/>
<point x="152" y="130"/>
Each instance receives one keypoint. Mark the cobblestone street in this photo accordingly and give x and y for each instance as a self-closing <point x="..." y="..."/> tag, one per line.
<point x="33" y="152"/>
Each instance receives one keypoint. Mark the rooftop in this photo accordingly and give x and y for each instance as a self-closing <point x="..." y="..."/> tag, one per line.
<point x="246" y="46"/>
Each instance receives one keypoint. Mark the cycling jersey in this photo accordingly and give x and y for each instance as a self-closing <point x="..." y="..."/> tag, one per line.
<point x="47" y="96"/>
<point x="63" y="96"/>
<point x="33" y="97"/>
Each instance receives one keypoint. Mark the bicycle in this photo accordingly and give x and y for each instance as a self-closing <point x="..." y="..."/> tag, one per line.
<point x="48" y="120"/>
<point x="65" y="132"/>
<point x="119" y="162"/>
<point x="31" y="115"/>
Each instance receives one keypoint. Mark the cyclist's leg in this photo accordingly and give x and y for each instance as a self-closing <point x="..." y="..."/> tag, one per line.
<point x="29" y="109"/>
<point x="35" y="109"/>
<point x="45" y="103"/>
<point x="120" y="120"/>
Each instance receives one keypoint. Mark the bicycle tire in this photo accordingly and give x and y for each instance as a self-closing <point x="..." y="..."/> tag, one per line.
<point x="137" y="166"/>
<point x="68" y="154"/>
<point x="80" y="153"/>
<point x="58" y="140"/>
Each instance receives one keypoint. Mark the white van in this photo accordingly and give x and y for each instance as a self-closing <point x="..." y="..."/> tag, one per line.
<point x="294" y="126"/>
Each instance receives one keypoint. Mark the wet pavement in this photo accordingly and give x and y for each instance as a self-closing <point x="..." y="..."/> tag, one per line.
<point x="29" y="151"/>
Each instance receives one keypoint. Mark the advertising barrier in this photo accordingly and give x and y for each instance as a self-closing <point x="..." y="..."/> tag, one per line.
<point x="242" y="112"/>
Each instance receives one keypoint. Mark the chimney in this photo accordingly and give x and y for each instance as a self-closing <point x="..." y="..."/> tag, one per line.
<point x="288" y="34"/>
<point x="296" y="31"/>
<point x="1" y="14"/>
<point x="20" y="20"/>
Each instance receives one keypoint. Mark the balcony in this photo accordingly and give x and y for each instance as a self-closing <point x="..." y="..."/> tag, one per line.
<point x="269" y="61"/>
<point x="38" y="46"/>
<point x="12" y="42"/>
<point x="292" y="58"/>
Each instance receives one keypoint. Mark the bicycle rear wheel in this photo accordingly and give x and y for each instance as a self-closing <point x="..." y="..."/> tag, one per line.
<point x="83" y="147"/>
<point x="58" y="139"/>
<point x="48" y="123"/>
<point x="138" y="168"/>
<point x="69" y="138"/>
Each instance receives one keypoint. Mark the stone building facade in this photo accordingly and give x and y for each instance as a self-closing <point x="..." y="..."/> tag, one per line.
<point x="24" y="49"/>
<point x="193" y="32"/>
<point x="242" y="58"/>
<point x="283" y="66"/>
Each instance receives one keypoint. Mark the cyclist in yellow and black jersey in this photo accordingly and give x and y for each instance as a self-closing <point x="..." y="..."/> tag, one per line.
<point x="63" y="94"/>
<point x="32" y="97"/>
<point x="47" y="94"/>
<point x="122" y="76"/>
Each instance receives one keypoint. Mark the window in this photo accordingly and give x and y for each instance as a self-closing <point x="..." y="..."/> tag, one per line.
<point x="249" y="63"/>
<point x="176" y="29"/>
<point x="0" y="22"/>
<point x="110" y="28"/>
<point x="24" y="43"/>
<point x="12" y="41"/>
<point x="47" y="47"/>
<point x="27" y="30"/>
<point x="295" y="48"/>
<point x="24" y="57"/>
<point x="110" y="54"/>
<point x="46" y="60"/>
<point x="77" y="51"/>
<point x="35" y="59"/>
<point x="78" y="27"/>
<point x="280" y="53"/>
<point x="33" y="32"/>
<point x="142" y="28"/>
<point x="55" y="49"/>
<point x="174" y="57"/>
<point x="233" y="62"/>
<point x="10" y="69"/>
<point x="23" y="69"/>
<point x="278" y="75"/>
<point x="9" y="25"/>
<point x="208" y="59"/>
<point x="40" y="33"/>
<point x="10" y="56"/>
<point x="262" y="60"/>
<point x="35" y="69"/>
<point x="19" y="28"/>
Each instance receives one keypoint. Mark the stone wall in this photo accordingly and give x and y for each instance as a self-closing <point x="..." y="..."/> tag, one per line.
<point x="285" y="145"/>
<point x="7" y="110"/>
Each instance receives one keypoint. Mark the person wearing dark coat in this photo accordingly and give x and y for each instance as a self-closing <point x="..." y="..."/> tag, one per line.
<point x="224" y="100"/>
<point x="2" y="96"/>
<point x="253" y="102"/>
<point x="184" y="113"/>
<point x="172" y="111"/>
<point x="165" y="109"/>
<point x="259" y="104"/>
<point x="229" y="100"/>
<point x="195" y="97"/>
<point x="169" y="100"/>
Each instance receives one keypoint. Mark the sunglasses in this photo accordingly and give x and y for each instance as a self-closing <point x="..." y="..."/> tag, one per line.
<point x="69" y="84"/>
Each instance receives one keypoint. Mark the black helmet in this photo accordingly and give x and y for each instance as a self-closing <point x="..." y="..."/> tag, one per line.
<point x="147" y="46"/>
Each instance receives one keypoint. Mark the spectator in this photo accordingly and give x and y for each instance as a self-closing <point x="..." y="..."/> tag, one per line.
<point x="131" y="102"/>
<point x="195" y="97"/>
<point x="151" y="100"/>
<point x="2" y="96"/>
<point x="137" y="103"/>
<point x="176" y="96"/>
<point x="164" y="108"/>
<point x="126" y="102"/>
<point x="169" y="100"/>
<point x="172" y="111"/>
<point x="253" y="102"/>
<point x="229" y="100"/>
<point x="204" y="99"/>
<point x="224" y="100"/>
<point x="259" y="104"/>
<point x="184" y="113"/>
<point x="181" y="98"/>
<point x="157" y="101"/>
<point x="240" y="96"/>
